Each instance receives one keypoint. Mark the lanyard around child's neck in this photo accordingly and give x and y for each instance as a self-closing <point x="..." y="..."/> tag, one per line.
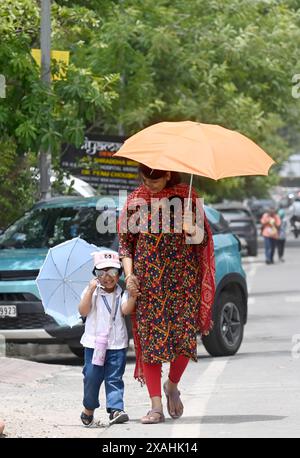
<point x="114" y="310"/>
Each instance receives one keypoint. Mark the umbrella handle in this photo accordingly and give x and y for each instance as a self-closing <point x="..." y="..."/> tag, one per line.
<point x="190" y="192"/>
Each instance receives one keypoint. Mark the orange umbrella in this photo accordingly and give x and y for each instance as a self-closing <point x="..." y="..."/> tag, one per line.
<point x="202" y="149"/>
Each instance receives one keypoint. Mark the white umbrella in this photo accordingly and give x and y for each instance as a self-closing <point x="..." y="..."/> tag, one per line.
<point x="65" y="273"/>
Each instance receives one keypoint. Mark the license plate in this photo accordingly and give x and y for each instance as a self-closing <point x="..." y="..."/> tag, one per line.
<point x="8" y="311"/>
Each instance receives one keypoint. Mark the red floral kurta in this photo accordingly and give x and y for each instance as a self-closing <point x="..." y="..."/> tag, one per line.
<point x="170" y="275"/>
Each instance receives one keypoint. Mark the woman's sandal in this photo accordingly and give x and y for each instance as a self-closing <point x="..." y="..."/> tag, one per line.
<point x="175" y="397"/>
<point x="151" y="418"/>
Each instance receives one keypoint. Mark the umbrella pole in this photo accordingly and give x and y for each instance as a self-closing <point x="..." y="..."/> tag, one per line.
<point x="190" y="192"/>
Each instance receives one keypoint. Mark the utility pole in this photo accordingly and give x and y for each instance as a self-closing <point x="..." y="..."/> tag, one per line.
<point x="45" y="156"/>
<point x="121" y="130"/>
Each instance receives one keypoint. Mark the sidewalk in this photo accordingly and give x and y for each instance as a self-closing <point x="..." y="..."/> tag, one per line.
<point x="44" y="400"/>
<point x="41" y="400"/>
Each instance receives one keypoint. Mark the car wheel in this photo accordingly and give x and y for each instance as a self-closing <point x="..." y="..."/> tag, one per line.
<point x="227" y="334"/>
<point x="78" y="351"/>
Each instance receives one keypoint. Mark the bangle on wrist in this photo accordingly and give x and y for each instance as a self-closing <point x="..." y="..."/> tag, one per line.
<point x="127" y="276"/>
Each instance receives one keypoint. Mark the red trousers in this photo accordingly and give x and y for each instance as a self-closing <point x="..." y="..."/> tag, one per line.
<point x="152" y="373"/>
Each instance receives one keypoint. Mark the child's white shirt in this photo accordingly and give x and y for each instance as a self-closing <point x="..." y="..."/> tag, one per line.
<point x="97" y="320"/>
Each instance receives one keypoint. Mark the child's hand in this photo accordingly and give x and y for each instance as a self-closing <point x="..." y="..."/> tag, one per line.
<point x="133" y="285"/>
<point x="93" y="285"/>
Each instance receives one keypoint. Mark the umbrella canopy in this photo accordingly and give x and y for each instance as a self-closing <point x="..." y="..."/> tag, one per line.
<point x="202" y="149"/>
<point x="63" y="276"/>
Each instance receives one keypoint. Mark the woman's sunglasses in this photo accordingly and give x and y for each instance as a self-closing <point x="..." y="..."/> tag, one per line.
<point x="113" y="272"/>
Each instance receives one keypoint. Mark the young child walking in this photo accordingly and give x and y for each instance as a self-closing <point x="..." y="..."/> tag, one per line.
<point x="104" y="307"/>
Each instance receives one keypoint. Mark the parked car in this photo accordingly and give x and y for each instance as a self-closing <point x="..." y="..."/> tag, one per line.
<point x="242" y="223"/>
<point x="23" y="248"/>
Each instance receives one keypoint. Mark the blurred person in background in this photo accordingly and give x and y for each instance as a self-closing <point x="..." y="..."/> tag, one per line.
<point x="282" y="234"/>
<point x="270" y="222"/>
<point x="294" y="212"/>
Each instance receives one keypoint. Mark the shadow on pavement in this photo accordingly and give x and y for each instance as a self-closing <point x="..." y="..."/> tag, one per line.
<point x="219" y="419"/>
<point x="67" y="360"/>
<point x="262" y="354"/>
<point x="235" y="419"/>
<point x="275" y="293"/>
<point x="62" y="360"/>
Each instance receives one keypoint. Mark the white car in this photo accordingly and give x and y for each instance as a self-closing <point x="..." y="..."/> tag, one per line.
<point x="80" y="187"/>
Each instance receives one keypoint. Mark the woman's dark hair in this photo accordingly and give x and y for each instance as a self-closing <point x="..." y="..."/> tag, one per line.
<point x="154" y="174"/>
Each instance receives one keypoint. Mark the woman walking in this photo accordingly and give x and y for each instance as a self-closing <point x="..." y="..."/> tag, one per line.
<point x="176" y="285"/>
<point x="270" y="223"/>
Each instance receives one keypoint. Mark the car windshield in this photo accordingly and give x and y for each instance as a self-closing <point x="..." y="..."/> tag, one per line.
<point x="264" y="203"/>
<point x="47" y="227"/>
<point x="235" y="214"/>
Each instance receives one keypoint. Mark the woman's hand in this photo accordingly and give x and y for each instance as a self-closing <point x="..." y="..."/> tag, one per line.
<point x="189" y="222"/>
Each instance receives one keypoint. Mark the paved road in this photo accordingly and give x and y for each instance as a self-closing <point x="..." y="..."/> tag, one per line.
<point x="253" y="394"/>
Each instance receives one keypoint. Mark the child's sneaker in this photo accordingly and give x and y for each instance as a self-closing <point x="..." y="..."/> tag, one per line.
<point x="89" y="422"/>
<point x="118" y="416"/>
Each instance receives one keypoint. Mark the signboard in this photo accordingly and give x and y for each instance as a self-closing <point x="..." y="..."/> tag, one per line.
<point x="94" y="163"/>
<point x="60" y="56"/>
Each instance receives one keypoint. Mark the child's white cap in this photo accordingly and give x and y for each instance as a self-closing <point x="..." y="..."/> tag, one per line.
<point x="106" y="258"/>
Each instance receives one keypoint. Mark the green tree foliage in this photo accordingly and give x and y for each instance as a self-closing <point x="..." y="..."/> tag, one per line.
<point x="17" y="189"/>
<point x="33" y="116"/>
<point x="137" y="62"/>
<point x="228" y="63"/>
